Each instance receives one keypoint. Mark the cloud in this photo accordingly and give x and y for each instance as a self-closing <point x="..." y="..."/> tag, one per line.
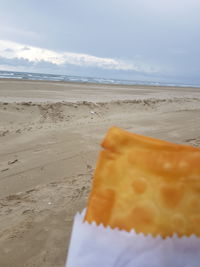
<point x="25" y="48"/>
<point x="8" y="50"/>
<point x="34" y="55"/>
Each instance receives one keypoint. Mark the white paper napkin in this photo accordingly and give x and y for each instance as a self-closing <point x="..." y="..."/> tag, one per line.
<point x="97" y="246"/>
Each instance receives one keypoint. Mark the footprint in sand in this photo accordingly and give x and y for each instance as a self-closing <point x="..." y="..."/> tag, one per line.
<point x="12" y="161"/>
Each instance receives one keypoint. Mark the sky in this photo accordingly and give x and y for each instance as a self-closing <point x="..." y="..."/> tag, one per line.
<point x="144" y="40"/>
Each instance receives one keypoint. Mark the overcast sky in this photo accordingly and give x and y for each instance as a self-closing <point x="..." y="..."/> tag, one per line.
<point x="156" y="40"/>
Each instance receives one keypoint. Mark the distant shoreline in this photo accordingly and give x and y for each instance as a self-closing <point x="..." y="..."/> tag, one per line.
<point x="101" y="84"/>
<point x="29" y="76"/>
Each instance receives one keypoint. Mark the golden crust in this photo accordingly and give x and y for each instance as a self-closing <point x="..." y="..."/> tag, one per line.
<point x="146" y="184"/>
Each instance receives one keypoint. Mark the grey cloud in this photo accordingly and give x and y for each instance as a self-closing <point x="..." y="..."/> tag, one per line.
<point x="25" y="48"/>
<point x="70" y="69"/>
<point x="14" y="62"/>
<point x="8" y="50"/>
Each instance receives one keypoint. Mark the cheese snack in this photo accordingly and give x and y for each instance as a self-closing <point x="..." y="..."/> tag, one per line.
<point x="145" y="184"/>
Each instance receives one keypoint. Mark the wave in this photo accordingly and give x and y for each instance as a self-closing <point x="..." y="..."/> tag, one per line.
<point x="69" y="78"/>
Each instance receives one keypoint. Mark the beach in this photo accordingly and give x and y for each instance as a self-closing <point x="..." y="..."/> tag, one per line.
<point x="50" y="135"/>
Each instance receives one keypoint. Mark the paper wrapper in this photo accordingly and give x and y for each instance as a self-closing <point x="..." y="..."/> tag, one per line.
<point x="97" y="246"/>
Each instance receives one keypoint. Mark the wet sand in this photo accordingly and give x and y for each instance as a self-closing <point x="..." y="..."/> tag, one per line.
<point x="49" y="141"/>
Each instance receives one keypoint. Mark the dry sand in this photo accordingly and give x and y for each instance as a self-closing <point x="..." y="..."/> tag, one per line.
<point x="49" y="141"/>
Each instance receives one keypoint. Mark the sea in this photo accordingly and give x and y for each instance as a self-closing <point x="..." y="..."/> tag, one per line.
<point x="70" y="78"/>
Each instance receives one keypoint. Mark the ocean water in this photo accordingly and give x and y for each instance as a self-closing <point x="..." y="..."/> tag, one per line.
<point x="68" y="78"/>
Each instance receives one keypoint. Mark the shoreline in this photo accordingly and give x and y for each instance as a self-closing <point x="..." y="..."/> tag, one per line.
<point x="104" y="84"/>
<point x="161" y="85"/>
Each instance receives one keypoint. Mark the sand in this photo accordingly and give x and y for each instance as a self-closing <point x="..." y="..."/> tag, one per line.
<point x="49" y="141"/>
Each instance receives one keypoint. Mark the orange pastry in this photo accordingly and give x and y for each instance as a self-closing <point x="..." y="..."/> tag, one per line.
<point x="145" y="184"/>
